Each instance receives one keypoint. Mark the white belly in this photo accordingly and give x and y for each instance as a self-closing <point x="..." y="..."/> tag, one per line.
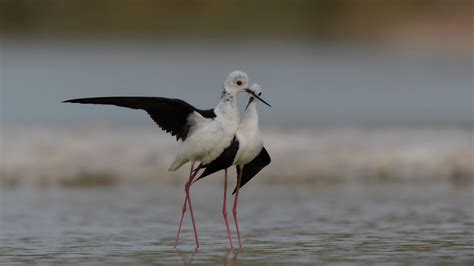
<point x="205" y="144"/>
<point x="249" y="148"/>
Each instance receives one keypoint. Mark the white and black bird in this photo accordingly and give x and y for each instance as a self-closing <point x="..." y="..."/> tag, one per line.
<point x="204" y="134"/>
<point x="246" y="151"/>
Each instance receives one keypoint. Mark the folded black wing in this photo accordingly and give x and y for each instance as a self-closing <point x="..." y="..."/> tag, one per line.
<point x="170" y="114"/>
<point x="251" y="169"/>
<point x="222" y="162"/>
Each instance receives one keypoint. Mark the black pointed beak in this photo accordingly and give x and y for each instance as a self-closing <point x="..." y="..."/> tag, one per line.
<point x="256" y="96"/>
<point x="251" y="99"/>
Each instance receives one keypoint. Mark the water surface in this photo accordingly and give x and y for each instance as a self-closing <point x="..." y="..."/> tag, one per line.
<point x="384" y="223"/>
<point x="306" y="83"/>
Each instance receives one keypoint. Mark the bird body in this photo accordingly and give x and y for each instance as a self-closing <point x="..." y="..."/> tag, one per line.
<point x="204" y="134"/>
<point x="208" y="137"/>
<point x="245" y="151"/>
<point x="246" y="146"/>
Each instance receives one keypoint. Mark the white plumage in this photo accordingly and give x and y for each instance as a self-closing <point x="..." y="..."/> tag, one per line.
<point x="207" y="138"/>
<point x="248" y="133"/>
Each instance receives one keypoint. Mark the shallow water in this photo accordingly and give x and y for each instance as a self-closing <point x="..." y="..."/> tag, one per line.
<point x="391" y="223"/>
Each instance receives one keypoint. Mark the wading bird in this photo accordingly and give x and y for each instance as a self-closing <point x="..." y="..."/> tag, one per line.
<point x="203" y="134"/>
<point x="246" y="151"/>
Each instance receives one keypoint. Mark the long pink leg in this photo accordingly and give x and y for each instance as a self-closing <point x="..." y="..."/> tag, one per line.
<point x="191" y="211"/>
<point x="184" y="208"/>
<point x="188" y="200"/>
<point x="234" y="210"/>
<point x="224" y="211"/>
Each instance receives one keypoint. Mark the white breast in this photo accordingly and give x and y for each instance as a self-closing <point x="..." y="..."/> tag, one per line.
<point x="206" y="140"/>
<point x="248" y="135"/>
<point x="250" y="145"/>
<point x="209" y="141"/>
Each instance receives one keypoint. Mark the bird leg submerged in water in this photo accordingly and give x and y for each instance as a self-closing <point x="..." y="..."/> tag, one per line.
<point x="236" y="199"/>
<point x="224" y="211"/>
<point x="192" y="175"/>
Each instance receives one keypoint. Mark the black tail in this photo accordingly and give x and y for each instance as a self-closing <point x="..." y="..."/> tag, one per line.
<point x="251" y="169"/>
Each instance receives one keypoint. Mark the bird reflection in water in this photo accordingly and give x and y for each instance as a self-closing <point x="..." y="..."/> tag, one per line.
<point x="231" y="257"/>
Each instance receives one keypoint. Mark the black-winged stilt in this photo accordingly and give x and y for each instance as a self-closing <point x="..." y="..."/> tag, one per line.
<point x="204" y="134"/>
<point x="246" y="151"/>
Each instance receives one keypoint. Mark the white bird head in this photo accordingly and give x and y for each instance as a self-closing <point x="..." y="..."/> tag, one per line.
<point x="255" y="92"/>
<point x="236" y="82"/>
<point x="256" y="89"/>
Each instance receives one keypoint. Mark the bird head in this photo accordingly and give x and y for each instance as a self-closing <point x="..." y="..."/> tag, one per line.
<point x="255" y="92"/>
<point x="236" y="82"/>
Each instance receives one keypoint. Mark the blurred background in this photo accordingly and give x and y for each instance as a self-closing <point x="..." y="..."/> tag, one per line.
<point x="366" y="94"/>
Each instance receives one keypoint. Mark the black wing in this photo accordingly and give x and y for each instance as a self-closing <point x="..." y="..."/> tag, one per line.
<point x="170" y="114"/>
<point x="224" y="160"/>
<point x="251" y="169"/>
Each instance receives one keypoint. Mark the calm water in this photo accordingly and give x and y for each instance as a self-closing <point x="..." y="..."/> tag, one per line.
<point x="423" y="223"/>
<point x="307" y="83"/>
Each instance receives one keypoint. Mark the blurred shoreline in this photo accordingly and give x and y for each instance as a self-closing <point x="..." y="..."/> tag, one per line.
<point x="421" y="25"/>
<point x="88" y="156"/>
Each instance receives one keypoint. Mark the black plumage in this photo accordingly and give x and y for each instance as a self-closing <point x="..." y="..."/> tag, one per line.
<point x="226" y="159"/>
<point x="251" y="169"/>
<point x="171" y="115"/>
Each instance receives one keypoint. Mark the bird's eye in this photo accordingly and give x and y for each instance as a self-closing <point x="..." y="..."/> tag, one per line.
<point x="259" y="94"/>
<point x="239" y="82"/>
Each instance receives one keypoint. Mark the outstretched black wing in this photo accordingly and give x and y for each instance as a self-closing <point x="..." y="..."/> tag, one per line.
<point x="170" y="114"/>
<point x="222" y="162"/>
<point x="251" y="169"/>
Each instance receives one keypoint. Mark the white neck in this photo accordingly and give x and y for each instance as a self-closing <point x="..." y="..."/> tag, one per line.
<point x="227" y="107"/>
<point x="250" y="120"/>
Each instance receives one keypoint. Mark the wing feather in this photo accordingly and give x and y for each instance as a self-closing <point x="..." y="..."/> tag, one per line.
<point x="169" y="114"/>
